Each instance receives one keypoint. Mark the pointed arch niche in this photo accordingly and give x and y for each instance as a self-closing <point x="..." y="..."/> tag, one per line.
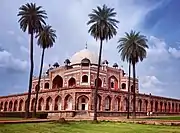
<point x="83" y="103"/>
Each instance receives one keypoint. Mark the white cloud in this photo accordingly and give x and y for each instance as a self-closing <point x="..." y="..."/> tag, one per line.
<point x="151" y="84"/>
<point x="7" y="61"/>
<point x="174" y="52"/>
<point x="24" y="49"/>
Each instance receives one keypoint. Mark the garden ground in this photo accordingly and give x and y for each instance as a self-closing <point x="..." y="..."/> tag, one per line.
<point x="86" y="127"/>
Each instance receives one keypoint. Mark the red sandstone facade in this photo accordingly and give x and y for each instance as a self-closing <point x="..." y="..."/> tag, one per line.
<point x="68" y="91"/>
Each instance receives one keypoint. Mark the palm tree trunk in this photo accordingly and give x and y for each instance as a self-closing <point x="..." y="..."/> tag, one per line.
<point x="96" y="88"/>
<point x="39" y="79"/>
<point x="129" y="89"/>
<point x="30" y="77"/>
<point x="134" y="90"/>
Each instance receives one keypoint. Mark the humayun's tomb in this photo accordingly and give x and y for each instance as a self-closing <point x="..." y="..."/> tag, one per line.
<point x="67" y="91"/>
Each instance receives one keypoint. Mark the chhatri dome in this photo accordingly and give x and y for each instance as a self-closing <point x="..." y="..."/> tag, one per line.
<point x="84" y="54"/>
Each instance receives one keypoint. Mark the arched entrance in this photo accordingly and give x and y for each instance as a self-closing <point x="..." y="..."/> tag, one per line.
<point x="108" y="103"/>
<point x="32" y="104"/>
<point x="125" y="104"/>
<point x="41" y="104"/>
<point x="117" y="104"/>
<point x="57" y="82"/>
<point x="83" y="103"/>
<point x="10" y="105"/>
<point x="5" y="106"/>
<point x="146" y="105"/>
<point x="49" y="103"/>
<point x="15" y="105"/>
<point x="21" y="105"/>
<point x="68" y="102"/>
<point x="140" y="105"/>
<point x="58" y="101"/>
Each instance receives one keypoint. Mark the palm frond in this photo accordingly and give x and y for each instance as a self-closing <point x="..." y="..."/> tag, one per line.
<point x="132" y="47"/>
<point x="102" y="23"/>
<point x="31" y="17"/>
<point x="46" y="37"/>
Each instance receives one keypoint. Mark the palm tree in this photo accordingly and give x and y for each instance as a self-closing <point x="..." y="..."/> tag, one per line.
<point x="103" y="26"/>
<point x="31" y="20"/>
<point x="133" y="49"/>
<point x="46" y="39"/>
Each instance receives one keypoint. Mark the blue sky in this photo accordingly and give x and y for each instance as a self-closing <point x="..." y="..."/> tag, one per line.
<point x="158" y="20"/>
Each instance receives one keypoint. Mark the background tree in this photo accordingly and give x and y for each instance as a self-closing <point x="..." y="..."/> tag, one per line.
<point x="31" y="19"/>
<point x="133" y="49"/>
<point x="46" y="38"/>
<point x="102" y="27"/>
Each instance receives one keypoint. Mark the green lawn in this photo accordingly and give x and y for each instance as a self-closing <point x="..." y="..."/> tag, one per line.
<point x="86" y="127"/>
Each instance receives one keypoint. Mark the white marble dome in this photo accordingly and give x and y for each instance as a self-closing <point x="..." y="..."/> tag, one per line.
<point x="85" y="53"/>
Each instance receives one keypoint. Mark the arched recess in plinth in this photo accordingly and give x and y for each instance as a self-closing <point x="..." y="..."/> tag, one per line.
<point x="32" y="104"/>
<point x="83" y="102"/>
<point x="41" y="104"/>
<point x="49" y="104"/>
<point x="21" y="103"/>
<point x="68" y="102"/>
<point x="58" y="103"/>
<point x="139" y="105"/>
<point x="10" y="105"/>
<point x="5" y="106"/>
<point x="72" y="82"/>
<point x="108" y="103"/>
<point x="117" y="103"/>
<point x="15" y="105"/>
<point x="57" y="82"/>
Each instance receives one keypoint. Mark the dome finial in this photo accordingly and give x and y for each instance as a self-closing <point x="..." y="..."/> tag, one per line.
<point x="86" y="46"/>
